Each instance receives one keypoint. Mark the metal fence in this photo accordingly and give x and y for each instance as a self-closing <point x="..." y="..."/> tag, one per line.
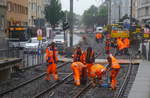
<point x="29" y="57"/>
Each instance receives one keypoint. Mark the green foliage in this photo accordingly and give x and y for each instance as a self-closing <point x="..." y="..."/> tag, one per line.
<point x="53" y="12"/>
<point x="95" y="16"/>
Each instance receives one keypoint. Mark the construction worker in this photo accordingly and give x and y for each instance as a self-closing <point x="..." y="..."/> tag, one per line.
<point x="114" y="68"/>
<point x="98" y="37"/>
<point x="89" y="58"/>
<point x="79" y="71"/>
<point x="120" y="46"/>
<point x="97" y="71"/>
<point x="126" y="42"/>
<point x="107" y="46"/>
<point x="77" y="56"/>
<point x="51" y="58"/>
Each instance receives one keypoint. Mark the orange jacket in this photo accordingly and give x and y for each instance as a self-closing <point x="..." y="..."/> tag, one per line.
<point x="115" y="64"/>
<point x="120" y="44"/>
<point x="77" y="57"/>
<point x="51" y="55"/>
<point x="85" y="59"/>
<point x="78" y="65"/>
<point x="126" y="41"/>
<point x="97" y="70"/>
<point x="98" y="36"/>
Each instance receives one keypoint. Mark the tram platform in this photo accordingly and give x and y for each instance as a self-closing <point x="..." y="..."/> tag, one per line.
<point x="141" y="86"/>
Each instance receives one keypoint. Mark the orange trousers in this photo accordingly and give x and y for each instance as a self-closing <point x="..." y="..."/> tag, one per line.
<point x="51" y="69"/>
<point x="89" y="69"/>
<point x="76" y="75"/>
<point x="113" y="76"/>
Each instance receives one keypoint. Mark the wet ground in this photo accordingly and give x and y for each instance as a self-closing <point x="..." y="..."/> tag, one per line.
<point x="68" y="89"/>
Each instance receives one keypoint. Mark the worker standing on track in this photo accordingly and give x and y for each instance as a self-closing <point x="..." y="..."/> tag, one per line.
<point x="114" y="67"/>
<point x="120" y="46"/>
<point x="77" y="56"/>
<point x="126" y="42"/>
<point x="79" y="72"/>
<point x="107" y="46"/>
<point x="98" y="37"/>
<point x="97" y="72"/>
<point x="89" y="58"/>
<point x="51" y="58"/>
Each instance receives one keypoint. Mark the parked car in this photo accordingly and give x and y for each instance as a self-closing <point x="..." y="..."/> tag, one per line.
<point x="59" y="40"/>
<point x="34" y="45"/>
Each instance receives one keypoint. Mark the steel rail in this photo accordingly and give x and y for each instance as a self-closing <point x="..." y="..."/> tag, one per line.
<point x="83" y="89"/>
<point x="126" y="80"/>
<point x="27" y="82"/>
<point x="53" y="86"/>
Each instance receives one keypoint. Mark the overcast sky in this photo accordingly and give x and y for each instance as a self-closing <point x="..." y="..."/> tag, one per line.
<point x="79" y="5"/>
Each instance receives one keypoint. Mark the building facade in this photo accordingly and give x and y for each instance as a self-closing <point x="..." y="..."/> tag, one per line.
<point x="3" y="9"/>
<point x="119" y="8"/>
<point x="143" y="11"/>
<point x="17" y="12"/>
<point x="35" y="12"/>
<point x="135" y="5"/>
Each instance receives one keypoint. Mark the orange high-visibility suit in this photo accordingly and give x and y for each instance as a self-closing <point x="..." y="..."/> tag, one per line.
<point x="88" y="59"/>
<point x="98" y="36"/>
<point x="115" y="67"/>
<point x="97" y="71"/>
<point x="77" y="68"/>
<point x="120" y="44"/>
<point x="77" y="56"/>
<point x="126" y="42"/>
<point x="51" y="58"/>
<point x="107" y="46"/>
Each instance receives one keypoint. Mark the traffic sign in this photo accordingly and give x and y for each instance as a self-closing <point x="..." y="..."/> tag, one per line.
<point x="39" y="34"/>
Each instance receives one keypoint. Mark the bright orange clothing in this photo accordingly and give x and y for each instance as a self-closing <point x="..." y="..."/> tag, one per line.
<point x="51" y="58"/>
<point x="115" y="63"/>
<point x="113" y="75"/>
<point x="126" y="41"/>
<point x="115" y="67"/>
<point x="77" y="68"/>
<point x="77" y="57"/>
<point x="98" y="36"/>
<point x="88" y="61"/>
<point x="97" y="71"/>
<point x="120" y="44"/>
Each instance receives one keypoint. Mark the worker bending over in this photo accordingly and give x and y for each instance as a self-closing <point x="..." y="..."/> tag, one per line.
<point x="97" y="72"/>
<point x="114" y="68"/>
<point x="51" y="58"/>
<point x="79" y="72"/>
<point x="77" y="56"/>
<point x="89" y="59"/>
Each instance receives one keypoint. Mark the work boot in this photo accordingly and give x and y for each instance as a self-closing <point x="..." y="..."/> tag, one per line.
<point x="56" y="77"/>
<point x="47" y="78"/>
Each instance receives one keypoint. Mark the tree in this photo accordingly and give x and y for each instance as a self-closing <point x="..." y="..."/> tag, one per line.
<point x="89" y="16"/>
<point x="95" y="16"/>
<point x="53" y="12"/>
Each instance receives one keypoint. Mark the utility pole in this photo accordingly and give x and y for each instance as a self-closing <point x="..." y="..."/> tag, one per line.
<point x="131" y="12"/>
<point x="119" y="12"/>
<point x="109" y="11"/>
<point x="71" y="23"/>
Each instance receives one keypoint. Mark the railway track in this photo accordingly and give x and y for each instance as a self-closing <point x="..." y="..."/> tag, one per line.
<point x="28" y="82"/>
<point x="126" y="80"/>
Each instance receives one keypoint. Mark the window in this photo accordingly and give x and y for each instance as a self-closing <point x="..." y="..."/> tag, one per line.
<point x="9" y="6"/>
<point x="146" y="11"/>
